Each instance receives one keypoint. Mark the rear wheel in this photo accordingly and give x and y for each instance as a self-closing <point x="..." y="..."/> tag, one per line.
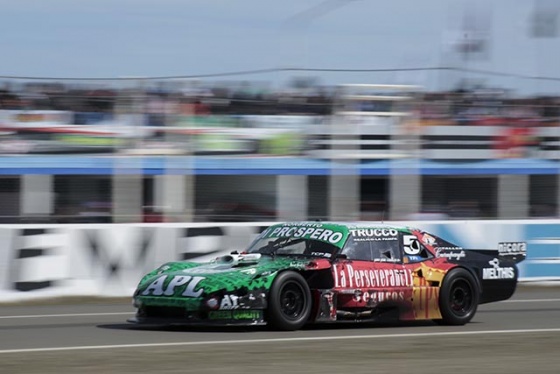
<point x="458" y="298"/>
<point x="289" y="304"/>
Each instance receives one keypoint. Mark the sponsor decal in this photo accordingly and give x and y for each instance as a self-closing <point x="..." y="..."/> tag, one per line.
<point x="235" y="314"/>
<point x="374" y="297"/>
<point x="317" y="233"/>
<point x="373" y="232"/>
<point x="220" y="314"/>
<point x="498" y="272"/>
<point x="229" y="302"/>
<point x="451" y="254"/>
<point x="246" y="314"/>
<point x="156" y="288"/>
<point x="448" y="248"/>
<point x="512" y="248"/>
<point x="347" y="276"/>
<point x="374" y="238"/>
<point x="321" y="254"/>
<point x="411" y="245"/>
<point x="428" y="239"/>
<point x="414" y="258"/>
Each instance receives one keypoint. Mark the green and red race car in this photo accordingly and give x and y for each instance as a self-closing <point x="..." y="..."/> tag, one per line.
<point x="317" y="272"/>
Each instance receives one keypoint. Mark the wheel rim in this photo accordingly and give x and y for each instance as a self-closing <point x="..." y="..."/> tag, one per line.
<point x="461" y="300"/>
<point x="292" y="301"/>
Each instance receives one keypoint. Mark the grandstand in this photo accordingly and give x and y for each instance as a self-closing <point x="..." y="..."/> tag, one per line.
<point x="193" y="151"/>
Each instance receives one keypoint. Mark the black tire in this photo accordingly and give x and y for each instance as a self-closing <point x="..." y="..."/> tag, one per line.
<point x="289" y="303"/>
<point x="458" y="298"/>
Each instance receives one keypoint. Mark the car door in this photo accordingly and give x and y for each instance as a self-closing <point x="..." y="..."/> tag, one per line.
<point x="371" y="272"/>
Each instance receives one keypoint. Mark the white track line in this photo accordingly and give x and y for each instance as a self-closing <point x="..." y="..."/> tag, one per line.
<point x="532" y="301"/>
<point x="279" y="340"/>
<point x="67" y="315"/>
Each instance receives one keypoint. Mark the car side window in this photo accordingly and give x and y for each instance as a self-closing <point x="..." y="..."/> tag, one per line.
<point x="371" y="250"/>
<point x="413" y="250"/>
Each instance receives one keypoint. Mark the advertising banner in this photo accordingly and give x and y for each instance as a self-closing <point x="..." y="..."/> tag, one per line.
<point x="42" y="261"/>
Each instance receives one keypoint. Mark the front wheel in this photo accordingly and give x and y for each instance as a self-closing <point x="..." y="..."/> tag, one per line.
<point x="458" y="298"/>
<point x="289" y="304"/>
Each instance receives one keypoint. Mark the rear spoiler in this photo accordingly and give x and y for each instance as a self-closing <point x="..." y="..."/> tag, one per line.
<point x="512" y="251"/>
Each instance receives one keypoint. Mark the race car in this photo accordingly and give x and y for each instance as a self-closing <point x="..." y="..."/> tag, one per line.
<point x="296" y="273"/>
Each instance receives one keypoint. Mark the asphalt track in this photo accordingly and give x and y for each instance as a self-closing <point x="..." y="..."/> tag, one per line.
<point x="521" y="335"/>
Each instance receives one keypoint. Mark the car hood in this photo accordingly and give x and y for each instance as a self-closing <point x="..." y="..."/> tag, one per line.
<point x="225" y="274"/>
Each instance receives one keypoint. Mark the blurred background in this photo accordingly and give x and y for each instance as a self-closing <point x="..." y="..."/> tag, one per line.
<point x="343" y="110"/>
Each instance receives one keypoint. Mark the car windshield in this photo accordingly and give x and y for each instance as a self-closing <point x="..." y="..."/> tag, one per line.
<point x="293" y="246"/>
<point x="372" y="248"/>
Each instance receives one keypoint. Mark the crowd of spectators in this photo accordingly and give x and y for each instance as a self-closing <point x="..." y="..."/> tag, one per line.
<point x="459" y="107"/>
<point x="238" y="99"/>
<point x="486" y="107"/>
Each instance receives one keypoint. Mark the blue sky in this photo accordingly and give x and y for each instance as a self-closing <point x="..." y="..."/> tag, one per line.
<point x="118" y="38"/>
